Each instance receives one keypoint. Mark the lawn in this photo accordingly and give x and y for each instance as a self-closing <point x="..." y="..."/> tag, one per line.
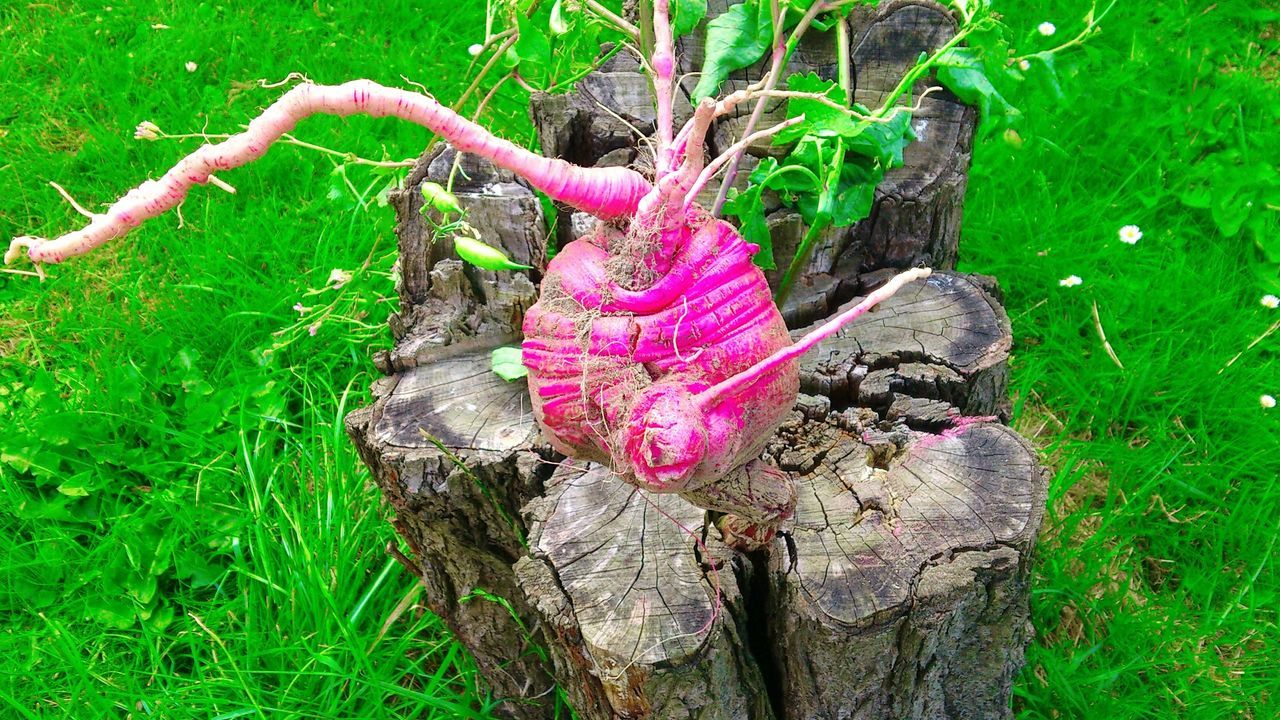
<point x="185" y="530"/>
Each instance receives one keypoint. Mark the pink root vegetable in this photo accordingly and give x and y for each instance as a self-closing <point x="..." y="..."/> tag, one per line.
<point x="655" y="346"/>
<point x="607" y="193"/>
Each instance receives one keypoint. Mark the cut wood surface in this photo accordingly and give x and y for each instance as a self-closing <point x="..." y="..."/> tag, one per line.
<point x="899" y="588"/>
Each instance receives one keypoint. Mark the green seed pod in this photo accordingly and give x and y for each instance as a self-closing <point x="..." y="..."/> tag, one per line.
<point x="484" y="256"/>
<point x="440" y="199"/>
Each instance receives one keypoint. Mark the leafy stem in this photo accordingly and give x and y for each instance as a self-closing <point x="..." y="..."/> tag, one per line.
<point x="922" y="69"/>
<point x="781" y="54"/>
<point x="821" y="221"/>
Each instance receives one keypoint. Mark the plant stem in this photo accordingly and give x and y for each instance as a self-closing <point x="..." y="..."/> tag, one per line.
<point x="781" y="53"/>
<point x="919" y="71"/>
<point x="663" y="63"/>
<point x="645" y="13"/>
<point x="802" y="253"/>
<point x="844" y="58"/>
<point x="608" y="15"/>
<point x="820" y="222"/>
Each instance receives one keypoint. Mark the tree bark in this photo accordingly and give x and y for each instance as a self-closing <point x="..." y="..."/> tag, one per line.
<point x="899" y="589"/>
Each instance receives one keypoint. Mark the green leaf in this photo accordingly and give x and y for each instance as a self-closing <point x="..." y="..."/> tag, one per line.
<point x="442" y="200"/>
<point x="195" y="568"/>
<point x="115" y="612"/>
<point x="748" y="207"/>
<point x="159" y="618"/>
<point x="856" y="191"/>
<point x="142" y="586"/>
<point x="73" y="489"/>
<point x="819" y="119"/>
<point x="1041" y="68"/>
<point x="736" y="38"/>
<point x="532" y="49"/>
<point x="962" y="71"/>
<point x="484" y="256"/>
<point x="685" y="16"/>
<point x="883" y="141"/>
<point x="508" y="363"/>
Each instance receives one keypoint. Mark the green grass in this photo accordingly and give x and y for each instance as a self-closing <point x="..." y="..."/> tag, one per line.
<point x="186" y="531"/>
<point x="1156" y="593"/>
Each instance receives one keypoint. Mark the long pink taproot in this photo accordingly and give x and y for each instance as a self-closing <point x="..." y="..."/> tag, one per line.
<point x="607" y="193"/>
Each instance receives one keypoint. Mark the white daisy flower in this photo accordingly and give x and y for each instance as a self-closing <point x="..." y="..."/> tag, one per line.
<point x="1070" y="281"/>
<point x="1270" y="301"/>
<point x="1267" y="401"/>
<point x="191" y="66"/>
<point x="1047" y="28"/>
<point x="1130" y="234"/>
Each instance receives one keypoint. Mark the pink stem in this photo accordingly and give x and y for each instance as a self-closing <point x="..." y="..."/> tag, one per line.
<point x="607" y="193"/>
<point x="664" y="67"/>
<point x="746" y="378"/>
<point x="692" y="144"/>
<point x="735" y="153"/>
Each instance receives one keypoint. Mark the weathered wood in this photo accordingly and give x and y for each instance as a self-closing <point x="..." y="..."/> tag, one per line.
<point x="944" y="339"/>
<point x="898" y="590"/>
<point x="640" y="627"/>
<point x="902" y="589"/>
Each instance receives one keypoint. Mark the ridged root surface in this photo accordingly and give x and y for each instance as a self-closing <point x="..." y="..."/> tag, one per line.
<point x="615" y="373"/>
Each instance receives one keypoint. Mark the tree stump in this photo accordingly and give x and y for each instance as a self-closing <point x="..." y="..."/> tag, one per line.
<point x="900" y="587"/>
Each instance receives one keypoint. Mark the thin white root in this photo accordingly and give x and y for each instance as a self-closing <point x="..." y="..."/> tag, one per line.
<point x="67" y="196"/>
<point x="290" y="78"/>
<point x="19" y="245"/>
<point x="221" y="184"/>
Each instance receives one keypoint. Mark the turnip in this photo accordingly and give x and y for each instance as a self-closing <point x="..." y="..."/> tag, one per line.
<point x="656" y="346"/>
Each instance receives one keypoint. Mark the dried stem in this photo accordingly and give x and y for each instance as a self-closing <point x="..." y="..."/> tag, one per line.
<point x="1102" y="335"/>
